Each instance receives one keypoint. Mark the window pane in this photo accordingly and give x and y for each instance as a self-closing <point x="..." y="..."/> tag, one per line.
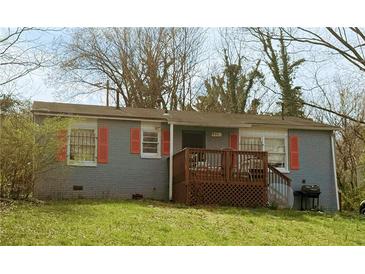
<point x="150" y="147"/>
<point x="82" y="145"/>
<point x="149" y="136"/>
<point x="150" y="142"/>
<point x="277" y="160"/>
<point x="275" y="145"/>
<point x="251" y="144"/>
<point x="276" y="151"/>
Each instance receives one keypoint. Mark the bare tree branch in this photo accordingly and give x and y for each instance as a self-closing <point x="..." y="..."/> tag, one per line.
<point x="18" y="54"/>
<point x="348" y="42"/>
<point x="149" y="67"/>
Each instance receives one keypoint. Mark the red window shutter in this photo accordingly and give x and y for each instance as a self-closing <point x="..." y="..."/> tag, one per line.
<point x="135" y="140"/>
<point x="102" y="145"/>
<point x="294" y="153"/>
<point x="62" y="151"/>
<point x="233" y="144"/>
<point x="165" y="142"/>
<point x="233" y="141"/>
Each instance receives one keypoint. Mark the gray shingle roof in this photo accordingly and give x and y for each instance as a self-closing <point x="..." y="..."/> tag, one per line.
<point x="209" y="119"/>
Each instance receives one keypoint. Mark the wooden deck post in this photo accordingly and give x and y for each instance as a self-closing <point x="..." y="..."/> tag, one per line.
<point x="265" y="167"/>
<point x="171" y="169"/>
<point x="265" y="182"/>
<point x="228" y="165"/>
<point x="187" y="173"/>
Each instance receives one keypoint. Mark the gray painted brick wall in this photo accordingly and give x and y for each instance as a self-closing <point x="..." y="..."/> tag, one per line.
<point x="123" y="175"/>
<point x="126" y="173"/>
<point x="316" y="165"/>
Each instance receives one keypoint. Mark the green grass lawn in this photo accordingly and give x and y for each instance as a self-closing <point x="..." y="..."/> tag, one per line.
<point x="90" y="222"/>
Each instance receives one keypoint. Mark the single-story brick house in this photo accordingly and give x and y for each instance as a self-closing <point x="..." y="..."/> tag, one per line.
<point x="187" y="156"/>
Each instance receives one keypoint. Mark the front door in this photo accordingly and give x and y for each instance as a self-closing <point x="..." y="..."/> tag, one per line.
<point x="193" y="139"/>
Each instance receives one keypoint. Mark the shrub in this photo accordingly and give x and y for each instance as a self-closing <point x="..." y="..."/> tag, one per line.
<point x="27" y="150"/>
<point x="351" y="198"/>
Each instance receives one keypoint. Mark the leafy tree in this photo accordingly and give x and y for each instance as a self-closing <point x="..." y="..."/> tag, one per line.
<point x="283" y="70"/>
<point x="230" y="91"/>
<point x="8" y="103"/>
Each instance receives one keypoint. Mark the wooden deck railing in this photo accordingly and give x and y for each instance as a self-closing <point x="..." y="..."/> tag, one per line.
<point x="209" y="165"/>
<point x="240" y="178"/>
<point x="227" y="166"/>
<point x="211" y="176"/>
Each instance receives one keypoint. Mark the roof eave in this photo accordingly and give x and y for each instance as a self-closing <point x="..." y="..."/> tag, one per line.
<point x="180" y="123"/>
<point x="90" y="115"/>
<point x="183" y="123"/>
<point x="328" y="128"/>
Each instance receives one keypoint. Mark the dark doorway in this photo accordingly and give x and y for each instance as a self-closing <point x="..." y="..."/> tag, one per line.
<point x="193" y="139"/>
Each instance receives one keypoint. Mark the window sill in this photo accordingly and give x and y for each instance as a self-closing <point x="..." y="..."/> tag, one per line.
<point x="282" y="170"/>
<point x="151" y="156"/>
<point x="81" y="163"/>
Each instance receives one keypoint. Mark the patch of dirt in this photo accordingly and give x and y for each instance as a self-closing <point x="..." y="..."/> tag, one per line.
<point x="6" y="205"/>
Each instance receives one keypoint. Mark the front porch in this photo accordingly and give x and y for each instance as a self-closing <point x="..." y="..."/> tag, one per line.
<point x="227" y="177"/>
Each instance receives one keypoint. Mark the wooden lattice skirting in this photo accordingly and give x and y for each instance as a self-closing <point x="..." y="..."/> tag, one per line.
<point x="228" y="194"/>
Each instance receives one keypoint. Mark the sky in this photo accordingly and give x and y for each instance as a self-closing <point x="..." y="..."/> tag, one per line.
<point x="38" y="85"/>
<point x="34" y="85"/>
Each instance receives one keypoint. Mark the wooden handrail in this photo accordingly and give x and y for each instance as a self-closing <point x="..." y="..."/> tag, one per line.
<point x="285" y="178"/>
<point x="227" y="150"/>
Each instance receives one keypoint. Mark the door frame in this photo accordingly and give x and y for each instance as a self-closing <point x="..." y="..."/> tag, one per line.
<point x="202" y="132"/>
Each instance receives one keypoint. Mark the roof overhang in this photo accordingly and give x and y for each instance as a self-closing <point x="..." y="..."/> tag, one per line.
<point x="212" y="120"/>
<point x="180" y="123"/>
<point x="327" y="128"/>
<point x="91" y="116"/>
<point x="253" y="125"/>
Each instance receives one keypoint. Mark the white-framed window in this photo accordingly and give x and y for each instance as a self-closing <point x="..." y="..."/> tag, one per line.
<point x="251" y="143"/>
<point x="275" y="142"/>
<point x="82" y="143"/>
<point x="151" y="140"/>
<point x="276" y="151"/>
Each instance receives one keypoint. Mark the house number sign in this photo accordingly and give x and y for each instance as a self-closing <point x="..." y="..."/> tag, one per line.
<point x="216" y="134"/>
